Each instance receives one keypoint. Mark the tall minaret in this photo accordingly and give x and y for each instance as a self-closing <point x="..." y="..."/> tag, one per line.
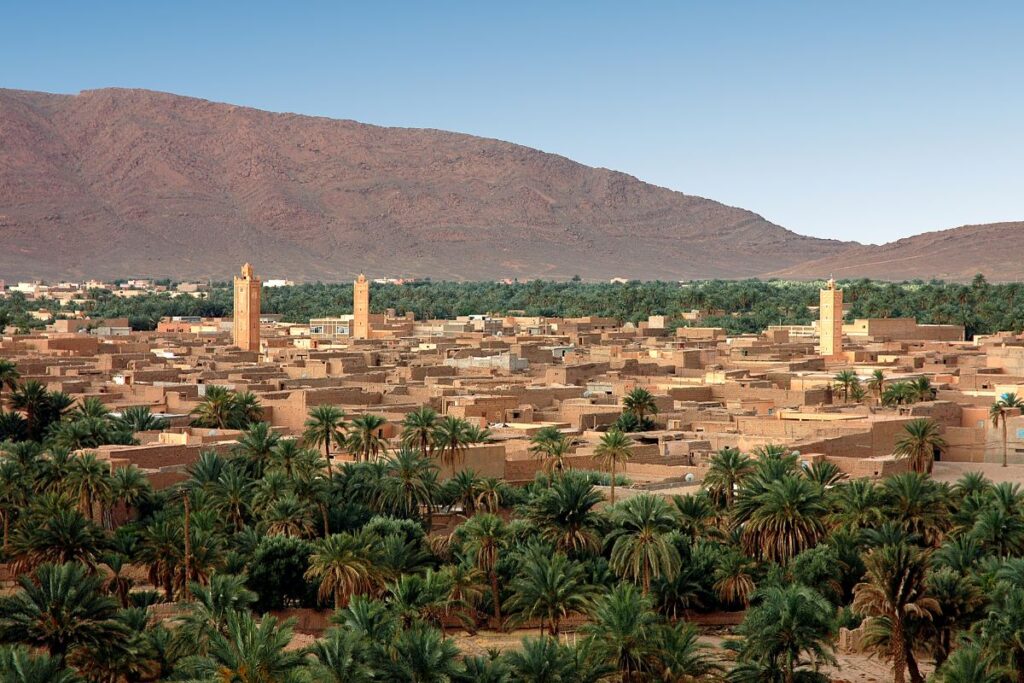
<point x="247" y="310"/>
<point x="830" y="320"/>
<point x="361" y="308"/>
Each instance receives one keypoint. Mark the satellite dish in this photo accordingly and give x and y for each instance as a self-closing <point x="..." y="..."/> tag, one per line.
<point x="689" y="477"/>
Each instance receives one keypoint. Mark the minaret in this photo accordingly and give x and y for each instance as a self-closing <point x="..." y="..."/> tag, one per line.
<point x="247" y="310"/>
<point x="361" y="308"/>
<point x="830" y="321"/>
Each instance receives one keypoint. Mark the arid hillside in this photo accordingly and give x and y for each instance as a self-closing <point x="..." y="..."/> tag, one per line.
<point x="995" y="250"/>
<point x="128" y="182"/>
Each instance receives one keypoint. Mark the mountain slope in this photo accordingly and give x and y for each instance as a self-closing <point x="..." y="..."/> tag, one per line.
<point x="995" y="250"/>
<point x="129" y="182"/>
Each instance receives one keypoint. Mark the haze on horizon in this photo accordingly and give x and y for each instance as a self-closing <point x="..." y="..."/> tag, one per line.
<point x="866" y="122"/>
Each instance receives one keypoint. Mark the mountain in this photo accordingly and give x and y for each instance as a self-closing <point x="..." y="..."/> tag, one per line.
<point x="117" y="182"/>
<point x="995" y="250"/>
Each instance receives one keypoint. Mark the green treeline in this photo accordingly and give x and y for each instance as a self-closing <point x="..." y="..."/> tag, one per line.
<point x="749" y="305"/>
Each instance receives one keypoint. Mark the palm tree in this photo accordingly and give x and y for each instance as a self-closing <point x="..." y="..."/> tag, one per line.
<point x="565" y="515"/>
<point x="918" y="504"/>
<point x="629" y="423"/>
<point x="998" y="411"/>
<point x="899" y="393"/>
<point x="315" y="491"/>
<point x="485" y="536"/>
<point x="62" y="536"/>
<point x="1001" y="632"/>
<point x="550" y="587"/>
<point x="130" y="487"/>
<point x="117" y="583"/>
<point x="59" y="607"/>
<point x="365" y="439"/>
<point x="20" y="665"/>
<point x="728" y="468"/>
<point x="86" y="432"/>
<point x="640" y="402"/>
<point x="410" y="484"/>
<point x="787" y="519"/>
<point x="541" y="660"/>
<point x="478" y="435"/>
<point x="489" y="494"/>
<point x="34" y="402"/>
<point x="90" y="406"/>
<point x="339" y="657"/>
<point x="734" y="581"/>
<point x="698" y="516"/>
<point x="418" y="428"/>
<point x="289" y="516"/>
<point x="251" y="652"/>
<point x="256" y="445"/>
<point x="140" y="419"/>
<point x="465" y="588"/>
<point x="232" y="493"/>
<point x="919" y="443"/>
<point x="9" y="376"/>
<point x="208" y="611"/>
<point x="969" y="664"/>
<point x="857" y="505"/>
<point x="13" y="427"/>
<point x="421" y="598"/>
<point x="922" y="389"/>
<point x="343" y="565"/>
<point x="325" y="425"/>
<point x="960" y="599"/>
<point x="972" y="482"/>
<point x="641" y="548"/>
<point x="845" y="381"/>
<point x="876" y="384"/>
<point x="422" y="655"/>
<point x="825" y="474"/>
<point x="682" y="657"/>
<point x="462" y="489"/>
<point x="614" y="449"/>
<point x="161" y="550"/>
<point x="52" y="471"/>
<point x="624" y="625"/>
<point x="489" y="668"/>
<point x="91" y="480"/>
<point x="894" y="589"/>
<point x="552" y="447"/>
<point x="450" y="439"/>
<point x="219" y="409"/>
<point x="248" y="408"/>
<point x="270" y="488"/>
<point x="284" y="457"/>
<point x="12" y="497"/>
<point x="788" y="623"/>
<point x="999" y="531"/>
<point x="58" y="404"/>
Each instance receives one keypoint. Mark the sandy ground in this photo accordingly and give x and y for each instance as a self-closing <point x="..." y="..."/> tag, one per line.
<point x="951" y="471"/>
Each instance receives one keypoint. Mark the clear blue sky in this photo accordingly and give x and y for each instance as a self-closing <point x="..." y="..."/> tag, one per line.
<point x="857" y="120"/>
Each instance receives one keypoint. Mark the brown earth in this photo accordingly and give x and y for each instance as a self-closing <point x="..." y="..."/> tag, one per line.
<point x="129" y="182"/>
<point x="995" y="250"/>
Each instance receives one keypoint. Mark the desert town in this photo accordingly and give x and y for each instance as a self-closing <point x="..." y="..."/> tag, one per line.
<point x="514" y="376"/>
<point x="840" y="393"/>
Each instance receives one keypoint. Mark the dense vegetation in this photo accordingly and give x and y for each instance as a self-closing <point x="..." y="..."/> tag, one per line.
<point x="749" y="305"/>
<point x="933" y="571"/>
